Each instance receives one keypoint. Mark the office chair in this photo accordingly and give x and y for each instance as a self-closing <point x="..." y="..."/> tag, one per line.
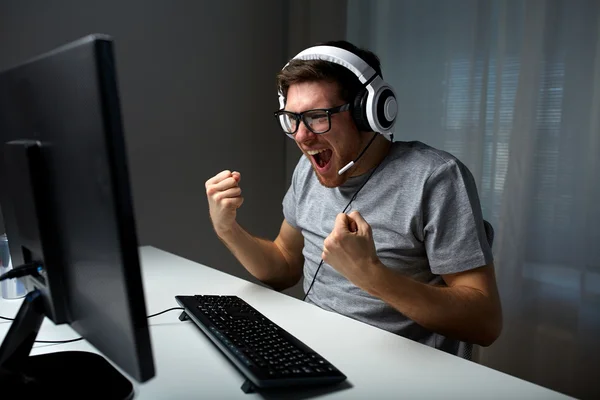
<point x="489" y="232"/>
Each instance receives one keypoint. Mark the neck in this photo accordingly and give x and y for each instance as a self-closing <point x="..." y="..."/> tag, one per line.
<point x="374" y="154"/>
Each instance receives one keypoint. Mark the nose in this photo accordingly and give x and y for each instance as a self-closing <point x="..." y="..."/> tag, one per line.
<point x="303" y="134"/>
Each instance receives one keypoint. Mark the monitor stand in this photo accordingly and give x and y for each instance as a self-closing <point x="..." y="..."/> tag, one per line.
<point x="68" y="374"/>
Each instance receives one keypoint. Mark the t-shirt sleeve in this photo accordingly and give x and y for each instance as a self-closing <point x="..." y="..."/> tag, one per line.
<point x="454" y="233"/>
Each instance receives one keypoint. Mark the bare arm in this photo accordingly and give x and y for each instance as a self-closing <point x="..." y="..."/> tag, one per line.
<point x="276" y="263"/>
<point x="468" y="308"/>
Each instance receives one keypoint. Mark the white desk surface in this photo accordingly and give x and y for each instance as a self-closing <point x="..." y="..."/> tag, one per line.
<point x="378" y="364"/>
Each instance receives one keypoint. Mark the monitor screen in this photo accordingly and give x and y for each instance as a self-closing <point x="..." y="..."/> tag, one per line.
<point x="66" y="201"/>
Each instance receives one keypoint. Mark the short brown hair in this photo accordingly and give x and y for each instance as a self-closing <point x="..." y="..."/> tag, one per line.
<point x="299" y="71"/>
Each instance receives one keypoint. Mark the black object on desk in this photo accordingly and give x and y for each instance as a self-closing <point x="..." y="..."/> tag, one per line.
<point x="66" y="203"/>
<point x="267" y="355"/>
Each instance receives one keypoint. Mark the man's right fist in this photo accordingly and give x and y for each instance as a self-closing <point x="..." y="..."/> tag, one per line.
<point x="224" y="198"/>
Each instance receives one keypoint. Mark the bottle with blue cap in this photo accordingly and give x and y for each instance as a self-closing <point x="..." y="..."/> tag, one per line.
<point x="9" y="288"/>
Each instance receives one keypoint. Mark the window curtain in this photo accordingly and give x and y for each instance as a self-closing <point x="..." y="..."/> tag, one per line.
<point x="512" y="88"/>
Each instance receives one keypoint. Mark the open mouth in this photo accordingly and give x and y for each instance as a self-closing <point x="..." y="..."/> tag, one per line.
<point x="322" y="157"/>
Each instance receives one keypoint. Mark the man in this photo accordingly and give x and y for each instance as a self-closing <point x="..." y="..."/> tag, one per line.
<point x="397" y="241"/>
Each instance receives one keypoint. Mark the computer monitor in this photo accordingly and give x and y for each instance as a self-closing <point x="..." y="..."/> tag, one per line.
<point x="67" y="207"/>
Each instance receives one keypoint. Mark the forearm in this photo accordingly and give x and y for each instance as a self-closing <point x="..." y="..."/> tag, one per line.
<point x="262" y="258"/>
<point x="459" y="312"/>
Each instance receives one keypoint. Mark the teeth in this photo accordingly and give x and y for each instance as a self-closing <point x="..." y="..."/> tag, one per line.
<point x="313" y="152"/>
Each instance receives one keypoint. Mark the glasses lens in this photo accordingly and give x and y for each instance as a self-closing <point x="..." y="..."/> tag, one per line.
<point x="317" y="120"/>
<point x="288" y="122"/>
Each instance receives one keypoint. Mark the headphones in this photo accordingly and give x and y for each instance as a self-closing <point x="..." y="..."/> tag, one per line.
<point x="374" y="108"/>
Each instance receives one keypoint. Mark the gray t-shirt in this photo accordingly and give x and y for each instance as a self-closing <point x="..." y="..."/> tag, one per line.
<point x="424" y="211"/>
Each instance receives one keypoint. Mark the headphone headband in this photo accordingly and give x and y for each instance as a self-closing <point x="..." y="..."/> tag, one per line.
<point x="345" y="58"/>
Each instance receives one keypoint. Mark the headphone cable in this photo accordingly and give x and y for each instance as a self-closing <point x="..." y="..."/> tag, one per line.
<point x="345" y="208"/>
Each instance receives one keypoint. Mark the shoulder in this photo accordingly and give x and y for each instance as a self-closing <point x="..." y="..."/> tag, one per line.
<point x="420" y="155"/>
<point x="415" y="162"/>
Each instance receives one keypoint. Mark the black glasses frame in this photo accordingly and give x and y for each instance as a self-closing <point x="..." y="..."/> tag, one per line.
<point x="300" y="116"/>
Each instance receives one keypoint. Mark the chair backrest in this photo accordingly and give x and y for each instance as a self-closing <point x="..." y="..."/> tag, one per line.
<point x="489" y="232"/>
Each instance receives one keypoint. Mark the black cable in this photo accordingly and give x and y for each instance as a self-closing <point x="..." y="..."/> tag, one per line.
<point x="162" y="312"/>
<point x="59" y="341"/>
<point x="22" y="270"/>
<point x="345" y="208"/>
<point x="367" y="146"/>
<point x="80" y="338"/>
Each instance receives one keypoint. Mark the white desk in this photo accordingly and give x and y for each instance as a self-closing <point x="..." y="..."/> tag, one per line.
<point x="378" y="364"/>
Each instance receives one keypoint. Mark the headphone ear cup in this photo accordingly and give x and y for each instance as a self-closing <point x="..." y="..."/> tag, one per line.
<point x="359" y="111"/>
<point x="386" y="108"/>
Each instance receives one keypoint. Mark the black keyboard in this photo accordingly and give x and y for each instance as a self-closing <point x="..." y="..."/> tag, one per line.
<point x="267" y="355"/>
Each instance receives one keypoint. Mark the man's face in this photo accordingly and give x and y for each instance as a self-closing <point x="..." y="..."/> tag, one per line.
<point x="330" y="151"/>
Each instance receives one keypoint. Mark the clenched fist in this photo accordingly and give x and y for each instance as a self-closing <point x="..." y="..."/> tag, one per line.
<point x="224" y="198"/>
<point x="350" y="249"/>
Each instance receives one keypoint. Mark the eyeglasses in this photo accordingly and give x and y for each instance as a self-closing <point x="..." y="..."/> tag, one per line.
<point x="317" y="121"/>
